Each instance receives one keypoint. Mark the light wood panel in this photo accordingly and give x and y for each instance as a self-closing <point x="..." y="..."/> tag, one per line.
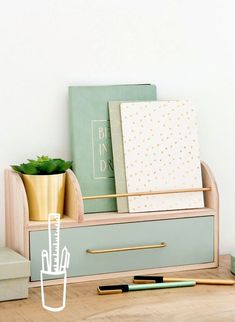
<point x="210" y="196"/>
<point x="17" y="213"/>
<point x="211" y="200"/>
<point x="202" y="303"/>
<point x="73" y="200"/>
<point x="114" y="218"/>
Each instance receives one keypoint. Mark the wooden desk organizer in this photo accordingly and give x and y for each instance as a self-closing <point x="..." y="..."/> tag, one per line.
<point x="104" y="245"/>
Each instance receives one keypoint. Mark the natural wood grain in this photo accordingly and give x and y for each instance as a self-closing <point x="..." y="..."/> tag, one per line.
<point x="211" y="200"/>
<point x="114" y="218"/>
<point x="106" y="218"/>
<point x="202" y="303"/>
<point x="17" y="213"/>
<point x="211" y="196"/>
<point x="73" y="200"/>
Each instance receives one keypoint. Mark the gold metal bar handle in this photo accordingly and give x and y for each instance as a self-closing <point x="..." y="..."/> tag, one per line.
<point x="146" y="193"/>
<point x="123" y="249"/>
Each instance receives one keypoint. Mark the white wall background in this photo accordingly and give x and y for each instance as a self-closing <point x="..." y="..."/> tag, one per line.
<point x="186" y="47"/>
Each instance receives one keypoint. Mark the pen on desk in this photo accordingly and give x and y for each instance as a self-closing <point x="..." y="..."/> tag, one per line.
<point x="145" y="279"/>
<point x="114" y="289"/>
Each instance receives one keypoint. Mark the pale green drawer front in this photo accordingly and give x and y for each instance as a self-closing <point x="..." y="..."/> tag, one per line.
<point x="189" y="241"/>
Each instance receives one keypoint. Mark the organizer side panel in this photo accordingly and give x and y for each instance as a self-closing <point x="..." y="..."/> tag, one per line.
<point x="211" y="199"/>
<point x="16" y="213"/>
<point x="73" y="198"/>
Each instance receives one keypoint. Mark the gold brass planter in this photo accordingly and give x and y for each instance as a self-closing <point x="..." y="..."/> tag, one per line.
<point x="45" y="194"/>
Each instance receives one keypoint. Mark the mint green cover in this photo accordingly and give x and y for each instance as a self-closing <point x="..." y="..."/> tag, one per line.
<point x="188" y="241"/>
<point x="91" y="139"/>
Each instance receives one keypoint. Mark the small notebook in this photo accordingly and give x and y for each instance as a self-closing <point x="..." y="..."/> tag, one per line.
<point x="161" y="152"/>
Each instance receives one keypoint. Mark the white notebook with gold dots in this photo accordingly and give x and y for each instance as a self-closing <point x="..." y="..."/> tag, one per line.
<point x="161" y="152"/>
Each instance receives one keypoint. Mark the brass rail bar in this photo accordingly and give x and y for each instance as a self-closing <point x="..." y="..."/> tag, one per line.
<point x="146" y="193"/>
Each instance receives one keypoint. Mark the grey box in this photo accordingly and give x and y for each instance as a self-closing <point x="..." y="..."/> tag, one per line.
<point x="14" y="275"/>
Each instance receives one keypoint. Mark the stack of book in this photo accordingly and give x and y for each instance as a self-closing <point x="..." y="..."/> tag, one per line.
<point x="125" y="141"/>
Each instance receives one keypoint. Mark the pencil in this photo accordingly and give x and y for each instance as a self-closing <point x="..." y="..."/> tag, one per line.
<point x="161" y="279"/>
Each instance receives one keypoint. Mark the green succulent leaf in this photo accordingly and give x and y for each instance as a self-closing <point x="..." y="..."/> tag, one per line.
<point x="43" y="165"/>
<point x="64" y="165"/>
<point x="48" y="167"/>
<point x="28" y="168"/>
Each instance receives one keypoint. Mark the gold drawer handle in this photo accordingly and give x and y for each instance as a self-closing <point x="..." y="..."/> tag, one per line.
<point x="123" y="249"/>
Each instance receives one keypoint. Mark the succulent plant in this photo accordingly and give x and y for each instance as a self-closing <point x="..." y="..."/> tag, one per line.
<point x="43" y="165"/>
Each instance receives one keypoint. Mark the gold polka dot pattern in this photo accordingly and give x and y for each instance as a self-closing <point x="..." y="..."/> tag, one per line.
<point x="161" y="152"/>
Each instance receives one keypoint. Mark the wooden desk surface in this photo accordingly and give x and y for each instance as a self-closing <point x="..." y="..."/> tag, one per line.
<point x="202" y="303"/>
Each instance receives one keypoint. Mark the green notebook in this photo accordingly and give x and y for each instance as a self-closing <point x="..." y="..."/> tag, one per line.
<point x="91" y="139"/>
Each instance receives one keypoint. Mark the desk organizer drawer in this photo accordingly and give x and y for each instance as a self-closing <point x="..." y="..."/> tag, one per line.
<point x="183" y="241"/>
